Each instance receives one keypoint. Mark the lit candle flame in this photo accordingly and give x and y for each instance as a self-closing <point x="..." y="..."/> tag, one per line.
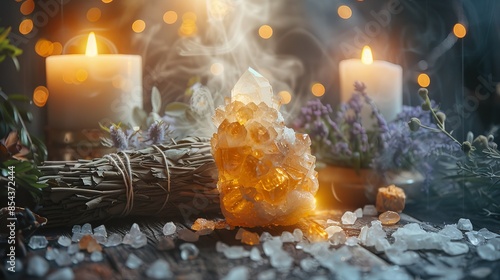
<point x="366" y="55"/>
<point x="91" y="45"/>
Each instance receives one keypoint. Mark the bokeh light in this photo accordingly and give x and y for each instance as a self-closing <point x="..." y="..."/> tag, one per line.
<point x="189" y="16"/>
<point x="265" y="31"/>
<point x="44" y="47"/>
<point x="93" y="14"/>
<point x="423" y="80"/>
<point x="285" y="96"/>
<point x="188" y="26"/>
<point x="459" y="30"/>
<point x="81" y="75"/>
<point x="107" y="1"/>
<point x="344" y="12"/>
<point x="40" y="96"/>
<point x="170" y="17"/>
<point x="217" y="68"/>
<point x="138" y="26"/>
<point x="26" y="26"/>
<point x="57" y="48"/>
<point x="27" y="7"/>
<point x="318" y="89"/>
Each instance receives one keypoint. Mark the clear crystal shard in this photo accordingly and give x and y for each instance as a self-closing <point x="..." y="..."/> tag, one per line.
<point x="133" y="261"/>
<point x="189" y="251"/>
<point x="252" y="87"/>
<point x="96" y="256"/>
<point x="169" y="228"/>
<point x="464" y="224"/>
<point x="38" y="242"/>
<point x="349" y="218"/>
<point x="160" y="269"/>
<point x="452" y="232"/>
<point x="64" y="241"/>
<point x="86" y="229"/>
<point x="114" y="240"/>
<point x="37" y="266"/>
<point x="101" y="230"/>
<point x="237" y="273"/>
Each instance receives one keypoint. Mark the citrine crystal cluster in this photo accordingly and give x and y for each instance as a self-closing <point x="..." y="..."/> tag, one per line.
<point x="266" y="170"/>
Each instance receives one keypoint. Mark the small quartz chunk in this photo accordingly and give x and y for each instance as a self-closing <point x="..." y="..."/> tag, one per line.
<point x="287" y="237"/>
<point x="114" y="240"/>
<point x="73" y="248"/>
<point x="250" y="238"/>
<point x="487" y="252"/>
<point x="187" y="235"/>
<point x="38" y="242"/>
<point x="309" y="264"/>
<point x="349" y="218"/>
<point x="78" y="258"/>
<point x="189" y="251"/>
<point x="298" y="235"/>
<point x="255" y="254"/>
<point x="359" y="213"/>
<point x="62" y="274"/>
<point x="160" y="269"/>
<point x="96" y="256"/>
<point x="235" y="252"/>
<point x="265" y="236"/>
<point x="464" y="224"/>
<point x="331" y="230"/>
<point x="135" y="237"/>
<point x="370" y="210"/>
<point x="474" y="238"/>
<point x="63" y="258"/>
<point x="338" y="238"/>
<point x="100" y="231"/>
<point x="37" y="266"/>
<point x="76" y="236"/>
<point x="169" y="228"/>
<point x="390" y="198"/>
<point x="487" y="234"/>
<point x="389" y="218"/>
<point x="51" y="253"/>
<point x="452" y="232"/>
<point x="237" y="273"/>
<point x="86" y="229"/>
<point x="133" y="261"/>
<point x="64" y="241"/>
<point x="203" y="224"/>
<point x="455" y="248"/>
<point x="76" y="229"/>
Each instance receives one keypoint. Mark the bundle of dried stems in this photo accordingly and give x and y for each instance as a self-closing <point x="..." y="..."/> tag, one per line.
<point x="161" y="180"/>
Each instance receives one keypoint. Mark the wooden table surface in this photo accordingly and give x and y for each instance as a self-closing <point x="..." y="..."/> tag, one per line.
<point x="213" y="265"/>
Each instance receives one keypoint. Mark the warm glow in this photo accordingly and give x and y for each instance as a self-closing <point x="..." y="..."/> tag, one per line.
<point x="138" y="26"/>
<point x="217" y="68"/>
<point x="423" y="80"/>
<point x="366" y="55"/>
<point x="459" y="30"/>
<point x="170" y="17"/>
<point x="318" y="89"/>
<point x="40" y="96"/>
<point x="189" y="16"/>
<point x="107" y="1"/>
<point x="285" y="96"/>
<point x="265" y="31"/>
<point x="44" y="47"/>
<point x="27" y="7"/>
<point x="57" y="48"/>
<point x="26" y="26"/>
<point x="91" y="45"/>
<point x="81" y="75"/>
<point x="93" y="14"/>
<point x="344" y="12"/>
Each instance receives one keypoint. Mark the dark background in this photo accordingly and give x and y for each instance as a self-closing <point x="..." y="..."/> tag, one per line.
<point x="464" y="72"/>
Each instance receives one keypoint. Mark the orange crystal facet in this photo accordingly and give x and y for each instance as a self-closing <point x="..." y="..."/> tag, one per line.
<point x="266" y="170"/>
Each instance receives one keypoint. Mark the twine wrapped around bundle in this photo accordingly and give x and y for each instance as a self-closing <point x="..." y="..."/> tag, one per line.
<point x="161" y="180"/>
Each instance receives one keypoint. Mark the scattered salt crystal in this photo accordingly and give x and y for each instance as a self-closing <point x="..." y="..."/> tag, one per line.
<point x="464" y="224"/>
<point x="287" y="237"/>
<point x="133" y="261"/>
<point x="359" y="213"/>
<point x="370" y="210"/>
<point x="189" y="251"/>
<point x="134" y="230"/>
<point x="255" y="254"/>
<point x="309" y="264"/>
<point x="363" y="234"/>
<point x="235" y="252"/>
<point x="63" y="258"/>
<point x="389" y="218"/>
<point x="76" y="228"/>
<point x="139" y="241"/>
<point x="187" y="235"/>
<point x="86" y="229"/>
<point x="332" y="222"/>
<point x="96" y="256"/>
<point x="332" y="229"/>
<point x="89" y="243"/>
<point x="237" y="273"/>
<point x="488" y="252"/>
<point x="101" y="230"/>
<point x="402" y="258"/>
<point x="352" y="241"/>
<point x="38" y="242"/>
<point x="281" y="260"/>
<point x="474" y="238"/>
<point x="78" y="257"/>
<point x="239" y="233"/>
<point x="114" y="240"/>
<point x="76" y="236"/>
<point x="452" y="232"/>
<point x="165" y="244"/>
<point x="338" y="238"/>
<point x="374" y="233"/>
<point x="62" y="274"/>
<point x="349" y="218"/>
<point x="73" y="248"/>
<point x="169" y="228"/>
<point x="160" y="269"/>
<point x="487" y="234"/>
<point x="37" y="266"/>
<point x="220" y="247"/>
<point x="480" y="272"/>
<point x="298" y="235"/>
<point x="64" y="241"/>
<point x="203" y="224"/>
<point x="265" y="236"/>
<point x="101" y="239"/>
<point x="455" y="248"/>
<point x="495" y="242"/>
<point x="271" y="246"/>
<point x="381" y="245"/>
<point x="269" y="274"/>
<point x="51" y="253"/>
<point x="250" y="238"/>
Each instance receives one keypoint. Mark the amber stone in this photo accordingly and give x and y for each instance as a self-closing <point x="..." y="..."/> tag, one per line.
<point x="89" y="243"/>
<point x="390" y="198"/>
<point x="389" y="218"/>
<point x="250" y="238"/>
<point x="203" y="224"/>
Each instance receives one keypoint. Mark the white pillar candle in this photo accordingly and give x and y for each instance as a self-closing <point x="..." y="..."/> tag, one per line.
<point x="383" y="80"/>
<point x="87" y="89"/>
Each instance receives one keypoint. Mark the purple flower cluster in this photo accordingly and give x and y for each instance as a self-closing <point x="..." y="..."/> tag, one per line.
<point x="340" y="138"/>
<point x="124" y="138"/>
